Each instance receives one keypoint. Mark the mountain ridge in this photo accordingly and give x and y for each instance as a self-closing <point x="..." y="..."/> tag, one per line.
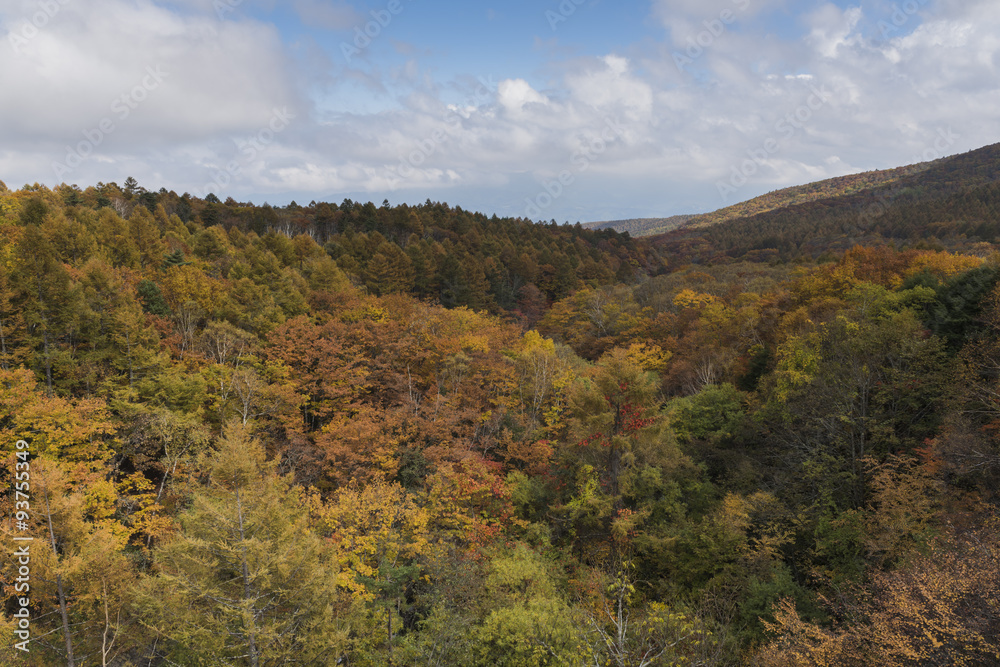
<point x="642" y="226"/>
<point x="952" y="202"/>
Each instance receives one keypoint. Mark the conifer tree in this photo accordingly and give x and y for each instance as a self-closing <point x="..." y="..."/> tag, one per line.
<point x="245" y="581"/>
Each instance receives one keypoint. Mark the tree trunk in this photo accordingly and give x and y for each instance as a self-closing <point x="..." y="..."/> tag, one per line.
<point x="128" y="354"/>
<point x="3" y="348"/>
<point x="60" y="591"/>
<point x="45" y="334"/>
<point x="251" y="634"/>
<point x="388" y="623"/>
<point x="614" y="466"/>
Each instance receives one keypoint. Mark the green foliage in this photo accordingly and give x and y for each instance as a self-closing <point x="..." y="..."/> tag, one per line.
<point x="152" y="298"/>
<point x="763" y="594"/>
<point x="950" y="202"/>
<point x="245" y="579"/>
<point x="528" y="624"/>
<point x="176" y="258"/>
<point x="418" y="477"/>
<point x="715" y="414"/>
<point x="955" y="313"/>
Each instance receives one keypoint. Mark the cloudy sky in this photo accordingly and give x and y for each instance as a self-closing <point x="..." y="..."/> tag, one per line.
<point x="551" y="109"/>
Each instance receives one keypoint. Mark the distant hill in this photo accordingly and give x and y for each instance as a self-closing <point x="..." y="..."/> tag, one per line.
<point x="949" y="203"/>
<point x="799" y="194"/>
<point x="642" y="226"/>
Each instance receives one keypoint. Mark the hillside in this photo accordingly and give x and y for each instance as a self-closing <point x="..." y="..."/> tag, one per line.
<point x="322" y="425"/>
<point x="643" y="226"/>
<point x="433" y="251"/>
<point x="951" y="203"/>
<point x="833" y="187"/>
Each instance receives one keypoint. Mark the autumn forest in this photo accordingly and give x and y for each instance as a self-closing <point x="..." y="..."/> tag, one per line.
<point x="363" y="435"/>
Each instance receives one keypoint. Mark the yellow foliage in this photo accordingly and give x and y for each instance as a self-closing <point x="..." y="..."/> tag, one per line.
<point x="181" y="284"/>
<point x="377" y="526"/>
<point x="798" y="363"/>
<point x="57" y="428"/>
<point x="943" y="264"/>
<point x="369" y="312"/>
<point x="939" y="609"/>
<point x="535" y="342"/>
<point x="10" y="206"/>
<point x="474" y="343"/>
<point x="649" y="357"/>
<point x="690" y="299"/>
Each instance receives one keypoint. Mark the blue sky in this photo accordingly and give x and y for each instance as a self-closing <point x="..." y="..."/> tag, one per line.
<point x="545" y="109"/>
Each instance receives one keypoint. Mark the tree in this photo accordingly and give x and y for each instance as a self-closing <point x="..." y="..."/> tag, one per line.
<point x="527" y="622"/>
<point x="152" y="299"/>
<point x="146" y="237"/>
<point x="329" y="363"/>
<point x="84" y="519"/>
<point x="378" y="532"/>
<point x="11" y="325"/>
<point x="389" y="270"/>
<point x="624" y="634"/>
<point x="609" y="412"/>
<point x="941" y="608"/>
<point x="543" y="377"/>
<point x="855" y="389"/>
<point x="44" y="287"/>
<point x="245" y="580"/>
<point x="131" y="187"/>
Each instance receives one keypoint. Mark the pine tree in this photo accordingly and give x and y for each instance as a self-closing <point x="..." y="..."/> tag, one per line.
<point x="389" y="270"/>
<point x="44" y="287"/>
<point x="245" y="581"/>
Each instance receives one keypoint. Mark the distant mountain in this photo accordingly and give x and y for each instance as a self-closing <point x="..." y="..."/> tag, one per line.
<point x="642" y="226"/>
<point x="800" y="194"/>
<point x="949" y="203"/>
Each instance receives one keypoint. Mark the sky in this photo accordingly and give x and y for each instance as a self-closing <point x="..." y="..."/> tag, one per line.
<point x="566" y="110"/>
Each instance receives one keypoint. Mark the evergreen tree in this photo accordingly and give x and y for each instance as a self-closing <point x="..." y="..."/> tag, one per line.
<point x="245" y="581"/>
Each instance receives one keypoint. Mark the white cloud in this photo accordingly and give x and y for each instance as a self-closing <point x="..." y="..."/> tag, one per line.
<point x="514" y="94"/>
<point x="833" y="29"/>
<point x="611" y="88"/>
<point x="639" y="135"/>
<point x="160" y="78"/>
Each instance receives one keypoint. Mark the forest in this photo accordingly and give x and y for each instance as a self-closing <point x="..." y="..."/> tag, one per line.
<point x="344" y="434"/>
<point x="948" y="204"/>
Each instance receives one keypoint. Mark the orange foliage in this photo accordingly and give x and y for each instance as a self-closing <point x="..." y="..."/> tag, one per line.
<point x="943" y="608"/>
